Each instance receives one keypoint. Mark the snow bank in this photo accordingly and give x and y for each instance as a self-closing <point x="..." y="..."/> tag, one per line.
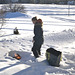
<point x="15" y="14"/>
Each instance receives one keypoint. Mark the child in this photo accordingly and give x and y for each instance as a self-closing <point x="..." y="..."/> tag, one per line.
<point x="38" y="36"/>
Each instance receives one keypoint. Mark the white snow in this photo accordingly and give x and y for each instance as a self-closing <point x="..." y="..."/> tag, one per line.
<point x="59" y="33"/>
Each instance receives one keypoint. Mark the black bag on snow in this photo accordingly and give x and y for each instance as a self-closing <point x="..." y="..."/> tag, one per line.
<point x="53" y="56"/>
<point x="16" y="31"/>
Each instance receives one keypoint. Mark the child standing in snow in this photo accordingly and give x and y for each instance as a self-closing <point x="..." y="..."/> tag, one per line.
<point x="38" y="36"/>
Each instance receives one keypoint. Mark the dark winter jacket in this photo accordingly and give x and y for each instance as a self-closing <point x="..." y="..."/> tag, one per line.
<point x="38" y="33"/>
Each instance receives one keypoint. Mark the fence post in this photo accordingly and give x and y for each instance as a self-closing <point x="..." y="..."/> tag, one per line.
<point x="68" y="9"/>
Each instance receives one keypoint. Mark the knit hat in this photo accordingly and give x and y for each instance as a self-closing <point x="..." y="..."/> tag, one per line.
<point x="34" y="18"/>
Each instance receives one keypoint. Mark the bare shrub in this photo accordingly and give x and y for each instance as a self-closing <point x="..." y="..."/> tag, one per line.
<point x="14" y="8"/>
<point x="2" y="19"/>
<point x="17" y="8"/>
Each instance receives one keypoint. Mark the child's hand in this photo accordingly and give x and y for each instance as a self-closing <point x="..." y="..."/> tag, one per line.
<point x="33" y="41"/>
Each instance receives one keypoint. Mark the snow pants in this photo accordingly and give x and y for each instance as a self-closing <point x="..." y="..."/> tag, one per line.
<point x="36" y="50"/>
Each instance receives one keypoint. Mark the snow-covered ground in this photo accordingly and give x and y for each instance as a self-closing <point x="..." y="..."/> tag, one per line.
<point x="59" y="33"/>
